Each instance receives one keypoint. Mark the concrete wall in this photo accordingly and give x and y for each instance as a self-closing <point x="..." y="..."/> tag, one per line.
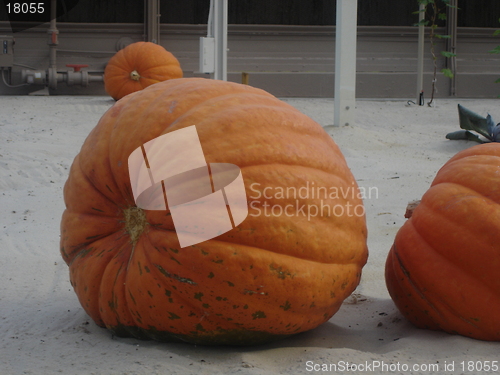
<point x="288" y="61"/>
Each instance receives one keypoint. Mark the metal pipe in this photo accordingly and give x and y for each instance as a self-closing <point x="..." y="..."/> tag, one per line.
<point x="99" y="77"/>
<point x="220" y="33"/>
<point x="346" y="28"/>
<point x="420" y="58"/>
<point x="210" y="22"/>
<point x="72" y="78"/>
<point x="451" y="43"/>
<point x="152" y="21"/>
<point x="80" y="78"/>
<point x="53" y="42"/>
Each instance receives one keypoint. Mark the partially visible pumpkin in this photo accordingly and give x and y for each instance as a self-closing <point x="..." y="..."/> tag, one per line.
<point x="137" y="66"/>
<point x="442" y="271"/>
<point x="272" y="276"/>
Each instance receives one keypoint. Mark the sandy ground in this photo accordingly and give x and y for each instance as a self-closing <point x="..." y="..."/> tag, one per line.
<point x="393" y="147"/>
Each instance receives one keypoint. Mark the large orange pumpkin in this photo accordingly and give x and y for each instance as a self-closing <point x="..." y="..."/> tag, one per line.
<point x="137" y="66"/>
<point x="442" y="271"/>
<point x="280" y="272"/>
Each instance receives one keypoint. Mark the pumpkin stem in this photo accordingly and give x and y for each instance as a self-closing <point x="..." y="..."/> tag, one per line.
<point x="135" y="222"/>
<point x="410" y="208"/>
<point x="134" y="74"/>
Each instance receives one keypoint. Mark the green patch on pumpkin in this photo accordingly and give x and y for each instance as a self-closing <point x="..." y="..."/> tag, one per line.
<point x="259" y="315"/>
<point x="173" y="316"/>
<point x="286" y="306"/>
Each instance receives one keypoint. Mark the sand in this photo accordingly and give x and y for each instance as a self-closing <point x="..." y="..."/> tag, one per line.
<point x="394" y="148"/>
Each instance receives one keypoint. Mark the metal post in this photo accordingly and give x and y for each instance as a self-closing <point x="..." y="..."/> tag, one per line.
<point x="220" y="35"/>
<point x="345" y="62"/>
<point x="420" y="56"/>
<point x="53" y="43"/>
<point x="152" y="21"/>
<point x="451" y="43"/>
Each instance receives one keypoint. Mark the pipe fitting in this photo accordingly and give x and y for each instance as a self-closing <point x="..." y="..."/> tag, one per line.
<point x="51" y="77"/>
<point x="77" y="78"/>
<point x="53" y="39"/>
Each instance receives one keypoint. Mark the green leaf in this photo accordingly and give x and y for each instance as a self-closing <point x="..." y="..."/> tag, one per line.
<point x="472" y="121"/>
<point x="496" y="32"/>
<point x="447" y="73"/>
<point x="423" y="23"/>
<point x="442" y="16"/>
<point x="440" y="36"/>
<point x="495" y="50"/>
<point x="463" y="134"/>
<point x="448" y="54"/>
<point x="498" y="80"/>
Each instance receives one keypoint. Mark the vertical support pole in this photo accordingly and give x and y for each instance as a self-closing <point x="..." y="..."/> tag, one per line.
<point x="345" y="62"/>
<point x="220" y="35"/>
<point x="420" y="56"/>
<point x="451" y="43"/>
<point x="53" y="43"/>
<point x="152" y="21"/>
<point x="245" y="78"/>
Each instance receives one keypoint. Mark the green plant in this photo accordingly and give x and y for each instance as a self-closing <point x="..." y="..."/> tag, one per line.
<point x="434" y="11"/>
<point x="497" y="48"/>
<point x="481" y="125"/>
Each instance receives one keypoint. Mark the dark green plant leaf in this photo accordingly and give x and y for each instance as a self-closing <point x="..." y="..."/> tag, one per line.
<point x="496" y="32"/>
<point x="423" y="22"/>
<point x="495" y="50"/>
<point x="493" y="129"/>
<point x="495" y="133"/>
<point x="498" y="80"/>
<point x="439" y="36"/>
<point x="463" y="134"/>
<point x="442" y="16"/>
<point x="472" y="121"/>
<point x="448" y="54"/>
<point x="447" y="72"/>
<point x="490" y="123"/>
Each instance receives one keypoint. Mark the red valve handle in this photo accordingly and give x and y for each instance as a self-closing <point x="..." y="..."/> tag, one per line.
<point x="76" y="67"/>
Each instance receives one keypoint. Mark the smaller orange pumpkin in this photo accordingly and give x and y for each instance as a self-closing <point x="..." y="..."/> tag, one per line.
<point x="138" y="66"/>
